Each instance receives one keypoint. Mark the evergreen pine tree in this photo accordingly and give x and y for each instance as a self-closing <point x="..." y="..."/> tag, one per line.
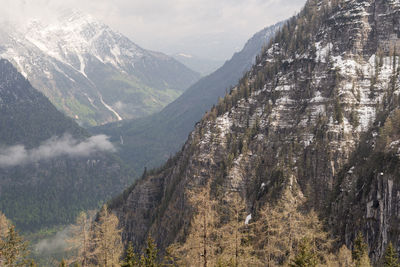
<point x="149" y="258"/>
<point x="169" y="258"/>
<point x="391" y="258"/>
<point x="360" y="252"/>
<point x="131" y="258"/>
<point x="62" y="263"/>
<point x="305" y="256"/>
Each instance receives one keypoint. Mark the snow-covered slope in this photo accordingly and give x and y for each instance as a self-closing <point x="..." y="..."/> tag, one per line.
<point x="91" y="72"/>
<point x="78" y="36"/>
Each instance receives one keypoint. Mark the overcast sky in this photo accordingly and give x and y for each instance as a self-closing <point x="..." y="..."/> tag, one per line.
<point x="207" y="28"/>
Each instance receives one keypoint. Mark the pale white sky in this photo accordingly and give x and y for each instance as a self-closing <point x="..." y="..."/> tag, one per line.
<point x="207" y="28"/>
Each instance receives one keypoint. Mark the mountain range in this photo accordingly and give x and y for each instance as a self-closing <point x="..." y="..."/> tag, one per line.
<point x="91" y="72"/>
<point x="290" y="150"/>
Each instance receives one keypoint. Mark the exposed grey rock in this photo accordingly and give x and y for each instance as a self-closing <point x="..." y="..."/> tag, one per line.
<point x="305" y="123"/>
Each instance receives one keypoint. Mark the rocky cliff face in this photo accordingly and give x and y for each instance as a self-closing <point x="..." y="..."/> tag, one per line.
<point x="298" y="117"/>
<point x="366" y="197"/>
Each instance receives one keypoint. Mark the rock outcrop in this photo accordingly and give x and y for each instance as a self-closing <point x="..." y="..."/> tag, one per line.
<point x="298" y="117"/>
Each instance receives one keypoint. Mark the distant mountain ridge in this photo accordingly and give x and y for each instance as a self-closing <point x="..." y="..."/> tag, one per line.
<point x="92" y="73"/>
<point x="204" y="66"/>
<point x="150" y="141"/>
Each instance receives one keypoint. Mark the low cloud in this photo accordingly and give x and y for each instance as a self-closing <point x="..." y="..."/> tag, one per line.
<point x="53" y="244"/>
<point x="54" y="147"/>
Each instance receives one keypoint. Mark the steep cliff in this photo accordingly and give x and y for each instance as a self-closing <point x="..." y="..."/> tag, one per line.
<point x="296" y="118"/>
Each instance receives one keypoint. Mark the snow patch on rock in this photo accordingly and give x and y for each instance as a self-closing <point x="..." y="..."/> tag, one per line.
<point x="248" y="218"/>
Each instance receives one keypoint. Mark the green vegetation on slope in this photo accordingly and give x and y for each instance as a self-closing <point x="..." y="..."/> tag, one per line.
<point x="48" y="192"/>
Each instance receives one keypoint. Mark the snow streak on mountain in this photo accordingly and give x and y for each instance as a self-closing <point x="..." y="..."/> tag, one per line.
<point x="91" y="72"/>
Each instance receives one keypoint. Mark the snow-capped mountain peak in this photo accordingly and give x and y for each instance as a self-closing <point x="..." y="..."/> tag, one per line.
<point x="77" y="36"/>
<point x="77" y="60"/>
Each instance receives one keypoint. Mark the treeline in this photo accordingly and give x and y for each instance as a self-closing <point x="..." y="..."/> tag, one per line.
<point x="221" y="234"/>
<point x="283" y="233"/>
